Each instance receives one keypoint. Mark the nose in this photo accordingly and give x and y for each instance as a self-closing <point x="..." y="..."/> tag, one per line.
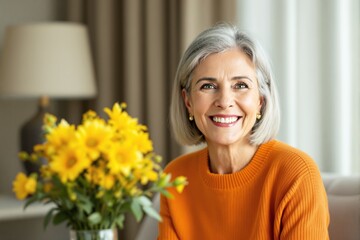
<point x="224" y="99"/>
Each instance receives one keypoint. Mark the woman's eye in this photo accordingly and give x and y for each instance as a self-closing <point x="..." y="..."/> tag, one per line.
<point x="240" y="85"/>
<point x="208" y="86"/>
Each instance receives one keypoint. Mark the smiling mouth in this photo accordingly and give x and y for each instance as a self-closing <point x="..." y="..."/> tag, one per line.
<point x="226" y="120"/>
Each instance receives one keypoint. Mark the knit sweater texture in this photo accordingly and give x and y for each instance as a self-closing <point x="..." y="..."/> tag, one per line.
<point x="278" y="195"/>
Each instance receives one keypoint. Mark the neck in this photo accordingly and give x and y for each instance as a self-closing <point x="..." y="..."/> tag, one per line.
<point x="230" y="159"/>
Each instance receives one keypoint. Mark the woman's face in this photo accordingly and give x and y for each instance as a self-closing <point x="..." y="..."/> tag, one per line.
<point x="224" y="97"/>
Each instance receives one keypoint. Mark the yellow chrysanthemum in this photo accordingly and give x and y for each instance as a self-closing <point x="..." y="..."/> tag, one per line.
<point x="122" y="158"/>
<point x="45" y="171"/>
<point x="129" y="185"/>
<point x="69" y="163"/>
<point x="108" y="182"/>
<point x="94" y="136"/>
<point x="143" y="142"/>
<point x="61" y="136"/>
<point x="149" y="176"/>
<point x="109" y="159"/>
<point x="121" y="120"/>
<point x="95" y="175"/>
<point x="23" y="186"/>
<point x="89" y="116"/>
<point x="146" y="171"/>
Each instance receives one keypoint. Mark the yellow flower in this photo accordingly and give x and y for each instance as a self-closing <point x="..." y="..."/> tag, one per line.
<point x="180" y="183"/>
<point x="95" y="175"/>
<point x="94" y="137"/>
<point x="108" y="182"/>
<point x="129" y="185"/>
<point x="146" y="171"/>
<point x="149" y="176"/>
<point x="89" y="116"/>
<point x="69" y="163"/>
<point x="143" y="142"/>
<point x="60" y="137"/>
<point x="23" y="186"/>
<point x="121" y="119"/>
<point x="122" y="158"/>
<point x="99" y="165"/>
<point x="45" y="171"/>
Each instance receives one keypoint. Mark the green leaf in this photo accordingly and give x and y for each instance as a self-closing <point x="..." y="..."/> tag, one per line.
<point x="67" y="203"/>
<point x="152" y="213"/>
<point x="164" y="181"/>
<point x="126" y="207"/>
<point x="94" y="218"/>
<point x="84" y="203"/>
<point x="166" y="193"/>
<point x="59" y="218"/>
<point x="108" y="199"/>
<point x="48" y="217"/>
<point x="30" y="201"/>
<point x="106" y="222"/>
<point x="120" y="221"/>
<point x="80" y="215"/>
<point x="144" y="201"/>
<point x="136" y="209"/>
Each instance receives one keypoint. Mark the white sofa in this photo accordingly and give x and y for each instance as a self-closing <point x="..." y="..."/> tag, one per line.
<point x="344" y="204"/>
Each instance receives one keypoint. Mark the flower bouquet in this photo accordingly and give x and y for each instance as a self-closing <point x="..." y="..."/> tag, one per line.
<point x="95" y="172"/>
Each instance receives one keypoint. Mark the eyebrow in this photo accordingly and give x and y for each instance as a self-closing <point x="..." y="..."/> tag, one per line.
<point x="211" y="79"/>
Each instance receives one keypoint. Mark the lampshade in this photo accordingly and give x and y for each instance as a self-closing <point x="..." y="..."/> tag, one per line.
<point x="47" y="59"/>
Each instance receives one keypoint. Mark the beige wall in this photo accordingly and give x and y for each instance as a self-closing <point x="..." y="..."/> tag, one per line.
<point x="14" y="112"/>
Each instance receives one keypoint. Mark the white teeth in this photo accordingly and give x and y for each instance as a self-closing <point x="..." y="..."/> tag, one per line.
<point x="224" y="120"/>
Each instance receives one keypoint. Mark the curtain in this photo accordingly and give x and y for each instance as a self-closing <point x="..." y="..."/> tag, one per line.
<point x="314" y="46"/>
<point x="137" y="45"/>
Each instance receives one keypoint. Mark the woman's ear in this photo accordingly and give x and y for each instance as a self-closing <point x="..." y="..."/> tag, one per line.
<point x="261" y="102"/>
<point x="186" y="100"/>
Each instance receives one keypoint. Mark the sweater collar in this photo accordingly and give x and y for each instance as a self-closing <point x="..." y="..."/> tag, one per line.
<point x="237" y="179"/>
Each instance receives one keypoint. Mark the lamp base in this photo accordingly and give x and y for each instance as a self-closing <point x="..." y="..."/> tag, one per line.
<point x="31" y="134"/>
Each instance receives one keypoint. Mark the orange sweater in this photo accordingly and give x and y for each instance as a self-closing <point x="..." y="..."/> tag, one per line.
<point x="278" y="195"/>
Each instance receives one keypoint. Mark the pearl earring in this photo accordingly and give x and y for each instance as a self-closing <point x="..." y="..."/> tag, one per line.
<point x="191" y="117"/>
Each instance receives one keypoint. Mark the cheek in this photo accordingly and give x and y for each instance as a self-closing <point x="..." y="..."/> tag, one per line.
<point x="250" y="103"/>
<point x="200" y="102"/>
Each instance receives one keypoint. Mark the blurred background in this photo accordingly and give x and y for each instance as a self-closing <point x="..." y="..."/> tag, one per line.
<point x="314" y="47"/>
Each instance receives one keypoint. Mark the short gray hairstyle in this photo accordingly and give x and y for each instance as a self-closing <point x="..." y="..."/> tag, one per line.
<point x="220" y="38"/>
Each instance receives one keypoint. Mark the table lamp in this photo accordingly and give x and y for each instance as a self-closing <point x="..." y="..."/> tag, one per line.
<point x="42" y="61"/>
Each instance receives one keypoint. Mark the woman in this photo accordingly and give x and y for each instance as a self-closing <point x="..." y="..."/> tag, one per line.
<point x="244" y="184"/>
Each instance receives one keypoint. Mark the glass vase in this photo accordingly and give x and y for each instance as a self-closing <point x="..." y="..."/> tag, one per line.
<point x="102" y="234"/>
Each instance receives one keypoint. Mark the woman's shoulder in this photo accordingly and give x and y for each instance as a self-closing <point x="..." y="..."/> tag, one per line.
<point x="285" y="156"/>
<point x="186" y="162"/>
<point x="283" y="150"/>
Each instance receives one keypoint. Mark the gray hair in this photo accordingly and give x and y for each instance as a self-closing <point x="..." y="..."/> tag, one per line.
<point x="218" y="39"/>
